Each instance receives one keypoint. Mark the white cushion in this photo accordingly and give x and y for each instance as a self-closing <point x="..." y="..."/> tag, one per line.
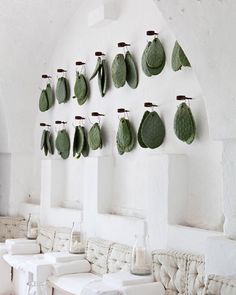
<point x="98" y="287"/>
<point x="123" y="278"/>
<point x="58" y="257"/>
<point x="23" y="249"/>
<point x="73" y="283"/>
<point x="147" y="289"/>
<point x="78" y="266"/>
<point x="10" y="242"/>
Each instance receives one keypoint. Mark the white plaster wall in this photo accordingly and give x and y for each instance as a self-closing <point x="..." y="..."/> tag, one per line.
<point x="207" y="30"/>
<point x="28" y="30"/>
<point x="79" y="42"/>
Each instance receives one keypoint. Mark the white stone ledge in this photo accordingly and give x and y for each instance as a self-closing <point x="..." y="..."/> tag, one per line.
<point x="220" y="256"/>
<point x="190" y="239"/>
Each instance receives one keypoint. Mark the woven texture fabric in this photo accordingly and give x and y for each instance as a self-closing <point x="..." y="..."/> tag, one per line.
<point x="12" y="228"/>
<point x="46" y="238"/>
<point x="119" y="258"/>
<point x="180" y="273"/>
<point x="195" y="275"/>
<point x="217" y="285"/>
<point x="170" y="268"/>
<point x="97" y="251"/>
<point x="62" y="240"/>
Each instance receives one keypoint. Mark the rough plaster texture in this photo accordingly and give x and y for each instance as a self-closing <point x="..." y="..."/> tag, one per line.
<point x="206" y="30"/>
<point x="129" y="188"/>
<point x="28" y="32"/>
<point x="204" y="180"/>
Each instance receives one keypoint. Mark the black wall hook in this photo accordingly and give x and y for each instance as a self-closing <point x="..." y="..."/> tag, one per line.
<point x="60" y="122"/>
<point x="44" y="125"/>
<point x="96" y="114"/>
<point x="149" y="105"/>
<point x="45" y="76"/>
<point x="99" y="53"/>
<point x="79" y="63"/>
<point x="122" y="110"/>
<point x="151" y="33"/>
<point x="79" y="118"/>
<point x="182" y="97"/>
<point x="123" y="44"/>
<point x="61" y="71"/>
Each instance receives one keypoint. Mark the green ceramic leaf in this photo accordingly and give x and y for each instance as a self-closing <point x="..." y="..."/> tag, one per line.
<point x="124" y="135"/>
<point x="155" y="54"/>
<point x="61" y="90"/>
<point x="184" y="126"/>
<point x="95" y="137"/>
<point x="131" y="145"/>
<point x="67" y="89"/>
<point x="43" y="137"/>
<point x="101" y="80"/>
<point x="81" y="140"/>
<point x="183" y="58"/>
<point x="118" y="71"/>
<point x="65" y="155"/>
<point x="132" y="71"/>
<point x="75" y="141"/>
<point x="158" y="70"/>
<point x="45" y="146"/>
<point x="191" y="139"/>
<point x="85" y="150"/>
<point x="63" y="143"/>
<point x="80" y="88"/>
<point x="43" y="101"/>
<point x="50" y="143"/>
<point x="140" y="141"/>
<point x="153" y="130"/>
<point x="144" y="63"/>
<point x="105" y="77"/>
<point x="175" y="61"/>
<point x="98" y="65"/>
<point x="50" y="95"/>
<point x="121" y="151"/>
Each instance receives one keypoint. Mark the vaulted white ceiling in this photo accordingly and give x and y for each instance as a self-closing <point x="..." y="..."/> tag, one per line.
<point x="29" y="30"/>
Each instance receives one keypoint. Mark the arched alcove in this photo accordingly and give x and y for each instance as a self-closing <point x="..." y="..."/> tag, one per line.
<point x="207" y="31"/>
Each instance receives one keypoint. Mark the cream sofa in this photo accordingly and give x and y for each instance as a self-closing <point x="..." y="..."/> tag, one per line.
<point x="180" y="273"/>
<point x="11" y="266"/>
<point x="10" y="228"/>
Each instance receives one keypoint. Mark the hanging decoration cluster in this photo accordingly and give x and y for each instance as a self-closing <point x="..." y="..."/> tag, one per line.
<point x="125" y="137"/>
<point x="63" y="143"/>
<point x="47" y="142"/>
<point x="80" y="143"/>
<point x="151" y="131"/>
<point x="95" y="137"/>
<point x="47" y="98"/>
<point x="81" y="88"/>
<point x="153" y="58"/>
<point x="179" y="58"/>
<point x="62" y="88"/>
<point x="101" y="71"/>
<point x="184" y="124"/>
<point x="124" y="69"/>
